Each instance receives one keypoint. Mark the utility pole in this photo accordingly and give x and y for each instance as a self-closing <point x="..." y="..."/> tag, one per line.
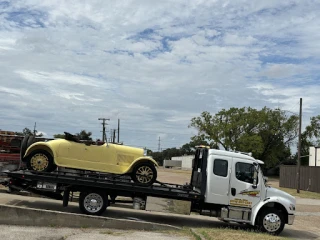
<point x="111" y="135"/>
<point x="104" y="128"/>
<point x="118" y="130"/>
<point x="114" y="135"/>
<point x="299" y="149"/>
<point x="34" y="129"/>
<point x="159" y="144"/>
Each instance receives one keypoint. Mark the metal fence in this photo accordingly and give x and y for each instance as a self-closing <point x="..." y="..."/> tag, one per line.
<point x="309" y="177"/>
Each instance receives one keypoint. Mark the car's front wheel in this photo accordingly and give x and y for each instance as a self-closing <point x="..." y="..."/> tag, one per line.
<point x="144" y="173"/>
<point x="40" y="161"/>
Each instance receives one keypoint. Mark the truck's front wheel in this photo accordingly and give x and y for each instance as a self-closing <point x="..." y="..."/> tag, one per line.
<point x="271" y="221"/>
<point x="93" y="203"/>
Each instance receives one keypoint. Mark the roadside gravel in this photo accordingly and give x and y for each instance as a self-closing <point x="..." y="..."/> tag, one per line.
<point x="43" y="233"/>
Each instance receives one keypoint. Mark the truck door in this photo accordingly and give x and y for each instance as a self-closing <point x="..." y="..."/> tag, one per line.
<point x="218" y="171"/>
<point x="241" y="182"/>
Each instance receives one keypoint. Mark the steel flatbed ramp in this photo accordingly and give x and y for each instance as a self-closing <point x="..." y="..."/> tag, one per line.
<point x="97" y="181"/>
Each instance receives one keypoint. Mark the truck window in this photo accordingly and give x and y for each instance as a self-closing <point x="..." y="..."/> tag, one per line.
<point x="220" y="167"/>
<point x="244" y="172"/>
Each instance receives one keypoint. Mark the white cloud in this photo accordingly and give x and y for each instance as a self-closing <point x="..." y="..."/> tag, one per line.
<point x="154" y="65"/>
<point x="14" y="91"/>
<point x="275" y="71"/>
<point x="47" y="78"/>
<point x="136" y="106"/>
<point x="232" y="39"/>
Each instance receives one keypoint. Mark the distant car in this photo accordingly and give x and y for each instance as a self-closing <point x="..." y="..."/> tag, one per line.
<point x="105" y="157"/>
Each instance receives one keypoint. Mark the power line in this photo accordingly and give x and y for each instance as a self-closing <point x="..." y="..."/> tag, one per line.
<point x="34" y="129"/>
<point x="159" y="144"/>
<point x="118" y="130"/>
<point x="104" y="137"/>
<point x="299" y="148"/>
<point x="113" y="135"/>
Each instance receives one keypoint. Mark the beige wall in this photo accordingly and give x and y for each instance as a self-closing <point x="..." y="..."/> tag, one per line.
<point x="312" y="157"/>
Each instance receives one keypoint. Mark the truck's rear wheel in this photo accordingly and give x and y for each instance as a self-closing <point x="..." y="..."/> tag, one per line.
<point x="271" y="221"/>
<point x="93" y="203"/>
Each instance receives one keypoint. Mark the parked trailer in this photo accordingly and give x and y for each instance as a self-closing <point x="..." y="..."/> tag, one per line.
<point x="223" y="184"/>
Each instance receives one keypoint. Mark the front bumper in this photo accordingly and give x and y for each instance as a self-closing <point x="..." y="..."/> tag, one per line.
<point x="290" y="219"/>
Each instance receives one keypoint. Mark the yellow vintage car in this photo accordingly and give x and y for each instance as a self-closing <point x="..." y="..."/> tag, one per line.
<point x="106" y="157"/>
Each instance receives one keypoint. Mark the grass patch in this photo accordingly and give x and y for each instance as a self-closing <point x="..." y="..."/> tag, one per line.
<point x="231" y="234"/>
<point x="302" y="194"/>
<point x="185" y="231"/>
<point x="221" y="234"/>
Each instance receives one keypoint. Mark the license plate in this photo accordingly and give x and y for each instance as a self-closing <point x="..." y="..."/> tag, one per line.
<point x="47" y="186"/>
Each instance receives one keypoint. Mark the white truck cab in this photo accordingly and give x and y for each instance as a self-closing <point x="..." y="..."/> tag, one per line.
<point x="235" y="190"/>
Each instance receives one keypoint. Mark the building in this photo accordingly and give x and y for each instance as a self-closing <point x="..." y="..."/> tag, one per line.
<point x="171" y="163"/>
<point x="314" y="156"/>
<point x="186" y="161"/>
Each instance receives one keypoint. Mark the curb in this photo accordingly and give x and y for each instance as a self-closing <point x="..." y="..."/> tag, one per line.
<point x="14" y="215"/>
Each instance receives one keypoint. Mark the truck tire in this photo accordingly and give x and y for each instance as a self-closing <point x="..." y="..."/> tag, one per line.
<point x="31" y="140"/>
<point x="144" y="173"/>
<point x="271" y="221"/>
<point x="23" y="146"/>
<point x="93" y="203"/>
<point x="40" y="161"/>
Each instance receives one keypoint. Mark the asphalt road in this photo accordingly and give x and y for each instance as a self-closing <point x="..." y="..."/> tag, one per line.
<point x="299" y="230"/>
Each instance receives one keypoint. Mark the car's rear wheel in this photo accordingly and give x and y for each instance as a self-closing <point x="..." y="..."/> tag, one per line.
<point x="40" y="161"/>
<point x="144" y="173"/>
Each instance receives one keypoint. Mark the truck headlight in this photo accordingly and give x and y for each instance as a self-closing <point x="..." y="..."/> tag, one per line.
<point x="292" y="207"/>
<point x="145" y="152"/>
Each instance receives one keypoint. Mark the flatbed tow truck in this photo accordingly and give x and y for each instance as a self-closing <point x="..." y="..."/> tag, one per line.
<point x="226" y="185"/>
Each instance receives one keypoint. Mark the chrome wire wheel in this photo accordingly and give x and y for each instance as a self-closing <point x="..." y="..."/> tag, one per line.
<point x="39" y="162"/>
<point x="144" y="174"/>
<point x="271" y="222"/>
<point x="93" y="203"/>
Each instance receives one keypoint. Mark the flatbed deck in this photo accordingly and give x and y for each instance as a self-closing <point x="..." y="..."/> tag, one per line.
<point x="27" y="180"/>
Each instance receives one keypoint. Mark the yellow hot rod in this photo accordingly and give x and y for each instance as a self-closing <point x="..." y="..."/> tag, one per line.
<point x="105" y="157"/>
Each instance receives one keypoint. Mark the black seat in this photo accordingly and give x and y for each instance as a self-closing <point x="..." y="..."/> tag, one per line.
<point x="71" y="137"/>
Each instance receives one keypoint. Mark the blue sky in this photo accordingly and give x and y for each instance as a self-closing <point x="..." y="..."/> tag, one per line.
<point x="153" y="64"/>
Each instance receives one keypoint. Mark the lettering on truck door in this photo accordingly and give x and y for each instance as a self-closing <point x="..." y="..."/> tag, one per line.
<point x="242" y="194"/>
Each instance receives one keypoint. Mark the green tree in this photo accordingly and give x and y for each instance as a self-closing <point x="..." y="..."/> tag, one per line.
<point x="266" y="133"/>
<point x="27" y="131"/>
<point x="149" y="152"/>
<point x="166" y="154"/>
<point x="190" y="148"/>
<point x="84" y="135"/>
<point x="59" y="135"/>
<point x="309" y="137"/>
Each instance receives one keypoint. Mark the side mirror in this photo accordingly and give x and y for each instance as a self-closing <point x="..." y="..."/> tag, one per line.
<point x="255" y="175"/>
